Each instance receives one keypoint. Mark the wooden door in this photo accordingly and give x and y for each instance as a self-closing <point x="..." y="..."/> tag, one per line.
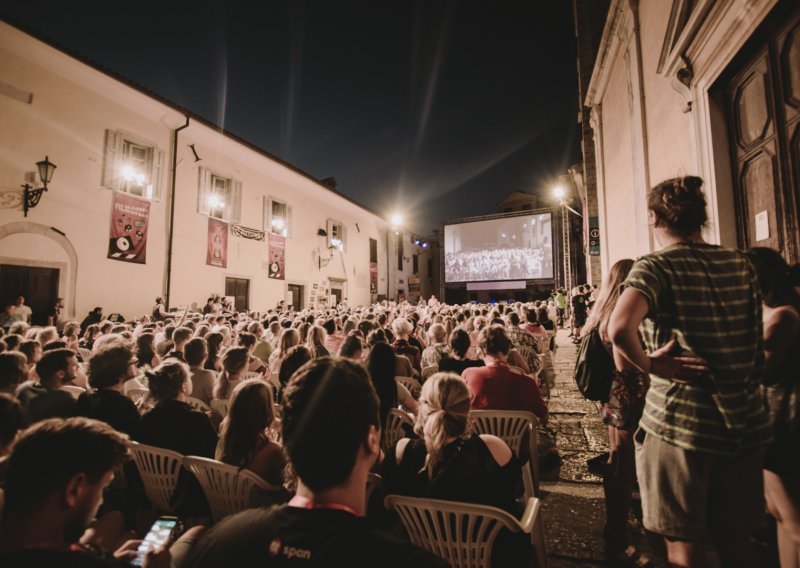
<point x="239" y="288"/>
<point x="297" y="296"/>
<point x="38" y="285"/>
<point x="763" y="116"/>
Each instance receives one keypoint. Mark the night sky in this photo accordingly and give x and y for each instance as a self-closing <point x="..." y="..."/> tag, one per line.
<point x="438" y="109"/>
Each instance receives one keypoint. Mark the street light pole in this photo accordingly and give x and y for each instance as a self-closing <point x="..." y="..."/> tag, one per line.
<point x="566" y="234"/>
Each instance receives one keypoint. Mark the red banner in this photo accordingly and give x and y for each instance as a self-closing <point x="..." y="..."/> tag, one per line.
<point x="217" y="248"/>
<point x="277" y="257"/>
<point x="373" y="277"/>
<point x="128" y="235"/>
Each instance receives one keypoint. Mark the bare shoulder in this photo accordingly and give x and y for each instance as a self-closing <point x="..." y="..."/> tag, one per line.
<point x="499" y="449"/>
<point x="400" y="449"/>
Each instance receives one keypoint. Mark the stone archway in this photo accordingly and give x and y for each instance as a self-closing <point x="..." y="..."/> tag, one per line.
<point x="61" y="239"/>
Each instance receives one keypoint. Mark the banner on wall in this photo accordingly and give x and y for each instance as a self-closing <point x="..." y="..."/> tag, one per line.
<point x="277" y="257"/>
<point x="217" y="247"/>
<point x="128" y="235"/>
<point x="413" y="284"/>
<point x="373" y="277"/>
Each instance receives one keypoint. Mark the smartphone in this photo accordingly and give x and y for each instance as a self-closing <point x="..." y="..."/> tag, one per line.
<point x="162" y="530"/>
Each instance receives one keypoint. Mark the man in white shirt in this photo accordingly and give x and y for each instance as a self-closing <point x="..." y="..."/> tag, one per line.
<point x="21" y="311"/>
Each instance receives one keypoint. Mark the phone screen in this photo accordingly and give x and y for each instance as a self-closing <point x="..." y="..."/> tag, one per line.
<point x="159" y="533"/>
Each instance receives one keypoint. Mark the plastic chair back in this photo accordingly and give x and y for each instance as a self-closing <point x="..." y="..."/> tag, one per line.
<point x="411" y="384"/>
<point x="228" y="488"/>
<point x="75" y="391"/>
<point x="220" y="406"/>
<point x="252" y="375"/>
<point x="159" y="470"/>
<point x="394" y="428"/>
<point x="511" y="427"/>
<point x="197" y="404"/>
<point x="85" y="354"/>
<point x="137" y="395"/>
<point x="464" y="534"/>
<point x="429" y="370"/>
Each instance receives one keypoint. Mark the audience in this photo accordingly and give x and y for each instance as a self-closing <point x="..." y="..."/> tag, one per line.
<point x="456" y="360"/>
<point x="109" y="369"/>
<point x="203" y="380"/>
<point x="325" y="520"/>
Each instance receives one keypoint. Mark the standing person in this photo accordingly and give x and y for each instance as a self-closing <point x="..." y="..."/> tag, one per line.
<point x="159" y="310"/>
<point x="561" y="306"/>
<point x="782" y="345"/>
<point x="7" y="316"/>
<point x="621" y="412"/>
<point x="54" y="315"/>
<point x="578" y="313"/>
<point x="94" y="317"/>
<point x="703" y="433"/>
<point x="21" y="311"/>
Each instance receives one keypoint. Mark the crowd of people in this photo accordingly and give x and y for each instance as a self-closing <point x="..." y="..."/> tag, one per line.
<point x="701" y="409"/>
<point x="495" y="264"/>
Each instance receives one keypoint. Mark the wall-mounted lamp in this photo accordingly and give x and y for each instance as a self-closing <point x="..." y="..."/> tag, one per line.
<point x="32" y="196"/>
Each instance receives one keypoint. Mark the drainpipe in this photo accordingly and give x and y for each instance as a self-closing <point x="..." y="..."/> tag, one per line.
<point x="171" y="226"/>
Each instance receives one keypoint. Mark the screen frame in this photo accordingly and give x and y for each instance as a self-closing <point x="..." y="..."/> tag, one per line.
<point x="524" y="213"/>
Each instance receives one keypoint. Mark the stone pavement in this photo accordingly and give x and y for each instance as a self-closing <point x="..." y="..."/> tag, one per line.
<point x="572" y="497"/>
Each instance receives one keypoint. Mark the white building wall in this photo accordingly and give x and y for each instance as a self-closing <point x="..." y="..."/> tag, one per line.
<point x="72" y="106"/>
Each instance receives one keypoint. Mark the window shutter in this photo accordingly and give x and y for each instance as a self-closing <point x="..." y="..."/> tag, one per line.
<point x="289" y="223"/>
<point x="203" y="188"/>
<point x="113" y="149"/>
<point x="158" y="177"/>
<point x="235" y="215"/>
<point x="344" y="237"/>
<point x="267" y="214"/>
<point x="329" y="230"/>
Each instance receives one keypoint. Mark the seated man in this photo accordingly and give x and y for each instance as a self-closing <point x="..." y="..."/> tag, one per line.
<point x="44" y="398"/>
<point x="324" y="522"/>
<point x="496" y="386"/>
<point x="54" y="486"/>
<point x="179" y="338"/>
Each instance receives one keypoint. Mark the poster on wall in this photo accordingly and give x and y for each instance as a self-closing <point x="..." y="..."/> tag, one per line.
<point x="277" y="257"/>
<point x="217" y="249"/>
<point x="128" y="236"/>
<point x="373" y="277"/>
<point x="413" y="284"/>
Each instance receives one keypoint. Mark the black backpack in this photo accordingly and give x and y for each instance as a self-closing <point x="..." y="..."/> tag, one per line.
<point x="594" y="368"/>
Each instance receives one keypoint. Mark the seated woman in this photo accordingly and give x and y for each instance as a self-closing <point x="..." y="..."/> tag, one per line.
<point x="215" y="348"/>
<point x="244" y="440"/>
<point x="450" y="463"/>
<point x="288" y="339"/>
<point x="315" y="341"/>
<point x="381" y="365"/>
<point x="248" y="341"/>
<point x="352" y="348"/>
<point x="175" y="425"/>
<point x="295" y="358"/>
<point x="234" y="365"/>
<point x="146" y="357"/>
<point x="456" y="360"/>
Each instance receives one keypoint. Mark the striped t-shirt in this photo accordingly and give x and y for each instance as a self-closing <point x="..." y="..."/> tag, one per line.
<point x="707" y="298"/>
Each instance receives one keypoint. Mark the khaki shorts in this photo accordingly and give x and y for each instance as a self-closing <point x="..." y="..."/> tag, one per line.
<point x="687" y="494"/>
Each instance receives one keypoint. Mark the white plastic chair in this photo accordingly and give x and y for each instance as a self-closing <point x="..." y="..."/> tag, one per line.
<point x="373" y="482"/>
<point x="252" y="375"/>
<point x="411" y="384"/>
<point x="464" y="534"/>
<point x="75" y="391"/>
<point x="159" y="470"/>
<point x="137" y="395"/>
<point x="85" y="354"/>
<point x="230" y="489"/>
<point x="394" y="428"/>
<point x="197" y="404"/>
<point x="220" y="406"/>
<point x="429" y="370"/>
<point x="511" y="426"/>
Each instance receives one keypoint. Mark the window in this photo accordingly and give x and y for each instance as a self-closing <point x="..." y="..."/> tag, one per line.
<point x="337" y="235"/>
<point x="373" y="250"/>
<point x="415" y="263"/>
<point x="277" y="217"/>
<point x="399" y="252"/>
<point x="132" y="165"/>
<point x="219" y="196"/>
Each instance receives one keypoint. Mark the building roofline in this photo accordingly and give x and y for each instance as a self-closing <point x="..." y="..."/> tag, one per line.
<point x="185" y="111"/>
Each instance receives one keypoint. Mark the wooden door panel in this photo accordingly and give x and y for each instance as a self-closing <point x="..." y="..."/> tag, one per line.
<point x="12" y="281"/>
<point x="752" y="107"/>
<point x="758" y="182"/>
<point x="789" y="55"/>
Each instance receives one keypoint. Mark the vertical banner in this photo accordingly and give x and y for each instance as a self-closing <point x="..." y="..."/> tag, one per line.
<point x="594" y="237"/>
<point x="217" y="247"/>
<point x="277" y="257"/>
<point x="373" y="277"/>
<point x="128" y="236"/>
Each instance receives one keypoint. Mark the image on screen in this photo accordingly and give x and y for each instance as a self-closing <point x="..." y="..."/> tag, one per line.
<point x="512" y="248"/>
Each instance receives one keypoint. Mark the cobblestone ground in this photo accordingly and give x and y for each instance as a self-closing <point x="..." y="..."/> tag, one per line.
<point x="572" y="496"/>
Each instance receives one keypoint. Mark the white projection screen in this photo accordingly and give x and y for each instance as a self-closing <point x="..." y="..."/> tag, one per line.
<point x="511" y="248"/>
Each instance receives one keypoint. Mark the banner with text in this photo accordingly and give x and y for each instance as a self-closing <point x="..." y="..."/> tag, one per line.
<point x="128" y="237"/>
<point x="373" y="277"/>
<point x="277" y="257"/>
<point x="217" y="247"/>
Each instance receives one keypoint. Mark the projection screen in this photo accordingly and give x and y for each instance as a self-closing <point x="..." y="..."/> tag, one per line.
<point x="510" y="248"/>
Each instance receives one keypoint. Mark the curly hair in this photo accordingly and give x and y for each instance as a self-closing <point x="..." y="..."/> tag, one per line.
<point x="679" y="205"/>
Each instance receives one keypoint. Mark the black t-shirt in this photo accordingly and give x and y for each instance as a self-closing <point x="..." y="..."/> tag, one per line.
<point x="290" y="536"/>
<point x="579" y="304"/>
<point x="112" y="407"/>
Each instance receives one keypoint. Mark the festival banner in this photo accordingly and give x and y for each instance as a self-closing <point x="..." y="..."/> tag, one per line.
<point x="277" y="257"/>
<point x="217" y="246"/>
<point x="128" y="235"/>
<point x="373" y="277"/>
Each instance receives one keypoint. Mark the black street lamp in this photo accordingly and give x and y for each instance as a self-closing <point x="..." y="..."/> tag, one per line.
<point x="32" y="196"/>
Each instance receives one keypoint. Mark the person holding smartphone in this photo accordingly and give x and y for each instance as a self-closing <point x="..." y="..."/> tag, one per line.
<point x="54" y="485"/>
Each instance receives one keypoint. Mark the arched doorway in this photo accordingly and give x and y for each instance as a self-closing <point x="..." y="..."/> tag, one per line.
<point x="30" y="250"/>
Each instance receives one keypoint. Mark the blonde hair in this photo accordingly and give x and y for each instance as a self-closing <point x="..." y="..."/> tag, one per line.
<point x="443" y="412"/>
<point x="609" y="294"/>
